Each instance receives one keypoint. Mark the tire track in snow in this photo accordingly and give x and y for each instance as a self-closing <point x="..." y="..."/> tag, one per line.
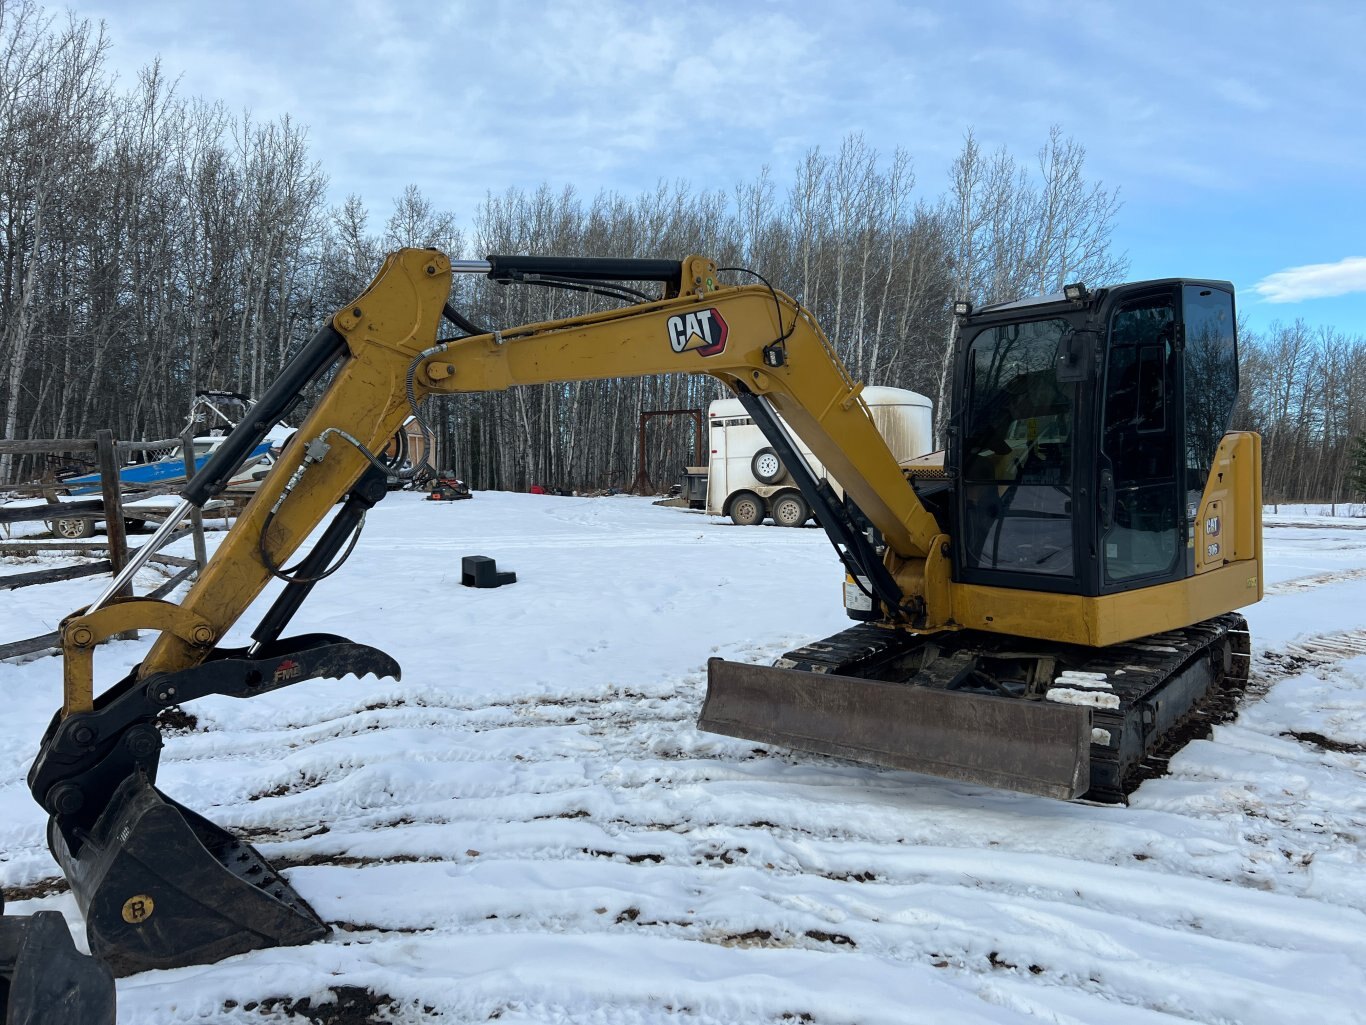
<point x="638" y="738"/>
<point x="1125" y="892"/>
<point x="1297" y="585"/>
<point x="1287" y="776"/>
<point x="1034" y="924"/>
<point x="1294" y="657"/>
<point x="639" y="797"/>
<point x="1329" y="648"/>
<point x="838" y="852"/>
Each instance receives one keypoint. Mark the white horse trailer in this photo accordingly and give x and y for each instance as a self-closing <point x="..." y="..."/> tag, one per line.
<point x="749" y="483"/>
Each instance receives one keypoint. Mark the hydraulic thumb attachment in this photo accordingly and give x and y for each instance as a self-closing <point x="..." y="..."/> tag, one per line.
<point x="45" y="980"/>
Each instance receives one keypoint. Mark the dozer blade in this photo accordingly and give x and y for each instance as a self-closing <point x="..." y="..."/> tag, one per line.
<point x="45" y="980"/>
<point x="163" y="887"/>
<point x="1035" y="747"/>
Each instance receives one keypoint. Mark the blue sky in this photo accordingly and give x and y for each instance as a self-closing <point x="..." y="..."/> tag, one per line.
<point x="1236" y="133"/>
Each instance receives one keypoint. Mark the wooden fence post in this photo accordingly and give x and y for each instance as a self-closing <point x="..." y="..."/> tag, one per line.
<point x="111" y="487"/>
<point x="201" y="554"/>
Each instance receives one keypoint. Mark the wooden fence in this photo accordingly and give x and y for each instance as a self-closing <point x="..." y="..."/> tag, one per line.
<point x="109" y="507"/>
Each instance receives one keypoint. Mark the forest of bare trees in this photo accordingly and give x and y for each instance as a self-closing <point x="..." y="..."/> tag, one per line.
<point x="152" y="244"/>
<point x="1304" y="391"/>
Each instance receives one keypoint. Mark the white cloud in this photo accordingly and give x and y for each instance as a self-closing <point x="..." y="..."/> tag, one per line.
<point x="1314" y="281"/>
<point x="1240" y="93"/>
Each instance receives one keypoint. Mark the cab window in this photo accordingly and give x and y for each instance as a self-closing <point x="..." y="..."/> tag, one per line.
<point x="1140" y="504"/>
<point x="1018" y="453"/>
<point x="1211" y="364"/>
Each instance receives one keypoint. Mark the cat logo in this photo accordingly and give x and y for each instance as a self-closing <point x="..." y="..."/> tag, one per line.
<point x="287" y="670"/>
<point x="702" y="331"/>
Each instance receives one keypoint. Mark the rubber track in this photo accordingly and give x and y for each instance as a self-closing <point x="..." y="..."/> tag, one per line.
<point x="1142" y="673"/>
<point x="1147" y="673"/>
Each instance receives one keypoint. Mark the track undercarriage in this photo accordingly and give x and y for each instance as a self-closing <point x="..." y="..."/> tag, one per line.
<point x="1065" y="721"/>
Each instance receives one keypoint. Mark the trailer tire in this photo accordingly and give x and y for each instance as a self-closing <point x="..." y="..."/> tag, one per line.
<point x="790" y="510"/>
<point x="767" y="467"/>
<point x="75" y="528"/>
<point x="746" y="509"/>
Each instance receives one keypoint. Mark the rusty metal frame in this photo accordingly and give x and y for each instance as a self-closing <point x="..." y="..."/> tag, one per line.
<point x="641" y="485"/>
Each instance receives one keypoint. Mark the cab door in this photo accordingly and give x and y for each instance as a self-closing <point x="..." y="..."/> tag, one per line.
<point x="1140" y="493"/>
<point x="1018" y="459"/>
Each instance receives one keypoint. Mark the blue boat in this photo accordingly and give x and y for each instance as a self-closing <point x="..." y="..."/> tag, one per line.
<point x="229" y="408"/>
<point x="169" y="469"/>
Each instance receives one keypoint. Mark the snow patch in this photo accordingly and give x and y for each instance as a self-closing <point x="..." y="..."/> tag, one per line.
<point x="1072" y="696"/>
<point x="1075" y="678"/>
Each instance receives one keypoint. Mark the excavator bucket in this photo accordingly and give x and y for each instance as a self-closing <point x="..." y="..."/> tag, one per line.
<point x="163" y="887"/>
<point x="45" y="980"/>
<point x="1035" y="747"/>
<point x="160" y="886"/>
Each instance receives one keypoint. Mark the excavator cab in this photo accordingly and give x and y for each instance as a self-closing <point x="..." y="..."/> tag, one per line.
<point x="1085" y="434"/>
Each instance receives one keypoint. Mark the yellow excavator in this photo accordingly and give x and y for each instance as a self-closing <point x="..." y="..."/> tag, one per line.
<point x="1046" y="608"/>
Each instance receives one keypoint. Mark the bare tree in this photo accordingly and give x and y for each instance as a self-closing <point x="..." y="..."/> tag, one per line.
<point x="53" y="107"/>
<point x="154" y="244"/>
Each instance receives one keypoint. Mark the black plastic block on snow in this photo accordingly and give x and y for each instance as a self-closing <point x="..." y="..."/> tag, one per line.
<point x="481" y="571"/>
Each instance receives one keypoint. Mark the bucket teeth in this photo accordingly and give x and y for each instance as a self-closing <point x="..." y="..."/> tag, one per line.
<point x="163" y="887"/>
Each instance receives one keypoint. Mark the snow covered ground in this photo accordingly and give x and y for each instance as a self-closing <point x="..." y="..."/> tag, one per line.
<point x="528" y="828"/>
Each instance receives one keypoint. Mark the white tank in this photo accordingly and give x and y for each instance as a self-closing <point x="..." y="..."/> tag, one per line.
<point x="742" y="465"/>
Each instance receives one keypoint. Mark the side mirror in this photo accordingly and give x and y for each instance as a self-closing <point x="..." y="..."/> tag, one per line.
<point x="1074" y="356"/>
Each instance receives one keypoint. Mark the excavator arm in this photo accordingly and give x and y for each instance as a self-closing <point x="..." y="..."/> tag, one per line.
<point x="767" y="350"/>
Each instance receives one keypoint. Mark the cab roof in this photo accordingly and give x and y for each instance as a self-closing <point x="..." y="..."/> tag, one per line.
<point x="1094" y="296"/>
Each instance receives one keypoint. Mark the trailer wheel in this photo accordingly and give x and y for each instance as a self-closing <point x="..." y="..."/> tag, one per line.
<point x="790" y="510"/>
<point x="75" y="528"/>
<point x="747" y="509"/>
<point x="767" y="467"/>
